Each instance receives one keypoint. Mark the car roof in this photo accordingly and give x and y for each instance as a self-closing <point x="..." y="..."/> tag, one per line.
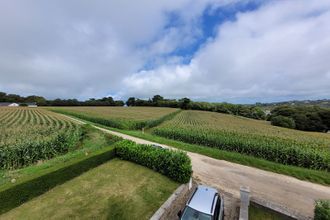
<point x="203" y="199"/>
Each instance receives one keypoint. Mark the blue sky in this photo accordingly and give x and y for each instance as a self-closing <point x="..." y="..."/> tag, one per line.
<point x="211" y="50"/>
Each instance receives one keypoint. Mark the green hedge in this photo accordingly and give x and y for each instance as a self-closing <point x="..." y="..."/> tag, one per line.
<point x="22" y="192"/>
<point x="174" y="164"/>
<point x="322" y="210"/>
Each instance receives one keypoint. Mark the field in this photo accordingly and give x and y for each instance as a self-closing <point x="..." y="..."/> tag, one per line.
<point x="114" y="190"/>
<point x="120" y="117"/>
<point x="30" y="135"/>
<point x="250" y="137"/>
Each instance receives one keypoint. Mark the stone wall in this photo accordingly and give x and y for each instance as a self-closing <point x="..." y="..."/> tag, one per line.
<point x="175" y="203"/>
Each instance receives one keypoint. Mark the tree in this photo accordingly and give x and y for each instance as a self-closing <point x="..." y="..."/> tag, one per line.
<point x="185" y="103"/>
<point x="157" y="98"/>
<point x="130" y="101"/>
<point x="283" y="121"/>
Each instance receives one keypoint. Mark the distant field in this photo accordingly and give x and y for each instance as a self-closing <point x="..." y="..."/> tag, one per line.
<point x="28" y="135"/>
<point x="115" y="190"/>
<point x="251" y="137"/>
<point x="120" y="117"/>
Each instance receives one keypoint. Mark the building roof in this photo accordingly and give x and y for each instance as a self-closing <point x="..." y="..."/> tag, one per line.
<point x="5" y="103"/>
<point x="203" y="199"/>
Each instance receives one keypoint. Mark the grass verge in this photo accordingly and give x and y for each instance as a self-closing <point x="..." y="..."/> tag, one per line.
<point x="257" y="212"/>
<point x="114" y="190"/>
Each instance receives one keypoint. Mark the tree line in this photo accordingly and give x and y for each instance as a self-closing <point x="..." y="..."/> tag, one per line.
<point x="249" y="111"/>
<point x="41" y="101"/>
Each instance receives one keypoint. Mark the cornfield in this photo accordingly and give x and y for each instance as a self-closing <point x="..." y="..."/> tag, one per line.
<point x="250" y="137"/>
<point x="28" y="135"/>
<point x="120" y="117"/>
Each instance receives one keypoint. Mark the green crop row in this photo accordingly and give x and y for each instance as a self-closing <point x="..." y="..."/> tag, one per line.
<point x="202" y="131"/>
<point x="127" y="124"/>
<point x="30" y="135"/>
<point x="174" y="164"/>
<point x="258" y="147"/>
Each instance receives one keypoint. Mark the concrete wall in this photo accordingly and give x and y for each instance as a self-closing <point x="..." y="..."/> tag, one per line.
<point x="175" y="203"/>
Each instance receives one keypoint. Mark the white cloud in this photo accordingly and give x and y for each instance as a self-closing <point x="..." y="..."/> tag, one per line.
<point x="281" y="49"/>
<point x="83" y="49"/>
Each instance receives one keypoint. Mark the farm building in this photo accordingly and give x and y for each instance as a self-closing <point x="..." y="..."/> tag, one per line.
<point x="13" y="104"/>
<point x="8" y="104"/>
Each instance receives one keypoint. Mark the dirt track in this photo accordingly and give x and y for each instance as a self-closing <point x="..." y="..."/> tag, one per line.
<point x="287" y="193"/>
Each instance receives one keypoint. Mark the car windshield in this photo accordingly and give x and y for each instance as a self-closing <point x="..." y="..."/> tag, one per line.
<point x="192" y="214"/>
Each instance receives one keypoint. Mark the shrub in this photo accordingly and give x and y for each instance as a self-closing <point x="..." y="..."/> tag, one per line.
<point x="174" y="164"/>
<point x="322" y="210"/>
<point x="283" y="121"/>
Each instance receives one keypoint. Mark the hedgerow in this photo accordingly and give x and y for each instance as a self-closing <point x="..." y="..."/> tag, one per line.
<point x="174" y="164"/>
<point x="322" y="210"/>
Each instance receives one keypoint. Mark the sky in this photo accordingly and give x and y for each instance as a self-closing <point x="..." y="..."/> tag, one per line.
<point x="240" y="51"/>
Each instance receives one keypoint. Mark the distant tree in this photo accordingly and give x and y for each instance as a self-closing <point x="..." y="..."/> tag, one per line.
<point x="283" y="121"/>
<point x="130" y="101"/>
<point x="157" y="98"/>
<point x="185" y="103"/>
<point x="3" y="96"/>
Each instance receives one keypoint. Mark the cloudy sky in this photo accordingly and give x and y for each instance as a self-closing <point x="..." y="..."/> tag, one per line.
<point x="213" y="50"/>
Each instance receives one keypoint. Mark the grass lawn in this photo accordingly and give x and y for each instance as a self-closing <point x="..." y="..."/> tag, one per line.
<point x="115" y="190"/>
<point x="259" y="213"/>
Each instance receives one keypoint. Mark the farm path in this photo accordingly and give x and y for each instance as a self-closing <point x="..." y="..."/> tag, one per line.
<point x="281" y="192"/>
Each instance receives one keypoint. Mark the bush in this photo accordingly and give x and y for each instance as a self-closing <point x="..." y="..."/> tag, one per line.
<point x="174" y="164"/>
<point x="283" y="121"/>
<point x="322" y="210"/>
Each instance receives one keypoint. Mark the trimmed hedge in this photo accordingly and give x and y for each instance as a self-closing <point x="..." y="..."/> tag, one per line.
<point x="322" y="210"/>
<point x="174" y="164"/>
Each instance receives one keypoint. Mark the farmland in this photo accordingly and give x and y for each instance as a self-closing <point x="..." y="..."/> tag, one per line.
<point x="30" y="135"/>
<point x="250" y="137"/>
<point x="119" y="117"/>
<point x="115" y="190"/>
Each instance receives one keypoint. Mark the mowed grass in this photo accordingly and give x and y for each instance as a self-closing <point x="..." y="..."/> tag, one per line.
<point x="115" y="190"/>
<point x="119" y="117"/>
<point x="250" y="137"/>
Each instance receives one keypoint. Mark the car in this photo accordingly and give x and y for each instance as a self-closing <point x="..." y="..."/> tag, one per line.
<point x="158" y="146"/>
<point x="204" y="204"/>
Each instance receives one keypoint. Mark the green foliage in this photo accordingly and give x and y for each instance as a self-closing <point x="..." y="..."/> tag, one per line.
<point x="283" y="121"/>
<point x="306" y="118"/>
<point x="322" y="210"/>
<point x="174" y="164"/>
<point x="27" y="153"/>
